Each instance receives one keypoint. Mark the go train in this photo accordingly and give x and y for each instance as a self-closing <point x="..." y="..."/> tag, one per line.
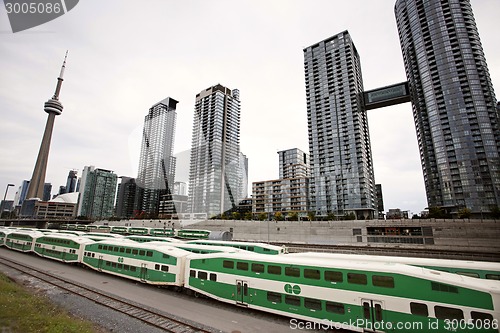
<point x="350" y="293"/>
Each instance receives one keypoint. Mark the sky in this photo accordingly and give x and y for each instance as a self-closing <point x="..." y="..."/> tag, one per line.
<point x="125" y="56"/>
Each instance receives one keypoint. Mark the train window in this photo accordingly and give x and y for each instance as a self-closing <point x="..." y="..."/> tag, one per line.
<point x="105" y="247"/>
<point x="202" y="275"/>
<point x="443" y="312"/>
<point x="276" y="270"/>
<point x="228" y="264"/>
<point x="481" y="319"/>
<point x="356" y="278"/>
<point x="117" y="249"/>
<point x="471" y="274"/>
<point x="292" y="300"/>
<point x="251" y="248"/>
<point x="192" y="273"/>
<point x="122" y="249"/>
<point x="257" y="268"/>
<point x="128" y="251"/>
<point x="334" y="276"/>
<point x="108" y="263"/>
<point x="267" y="250"/>
<point x="444" y="287"/>
<point x="164" y="268"/>
<point x="120" y="266"/>
<point x="292" y="271"/>
<point x="134" y="251"/>
<point x="157" y="267"/>
<point x="493" y="276"/>
<point x="100" y="247"/>
<point x="126" y="267"/>
<point x="166" y="256"/>
<point x="149" y="253"/>
<point x="242" y="266"/>
<point x="273" y="297"/>
<point x="311" y="274"/>
<point x="142" y="252"/>
<point x="113" y="264"/>
<point x="312" y="304"/>
<point x="383" y="281"/>
<point x="132" y="268"/>
<point x="419" y="309"/>
<point x="213" y="277"/>
<point x="334" y="307"/>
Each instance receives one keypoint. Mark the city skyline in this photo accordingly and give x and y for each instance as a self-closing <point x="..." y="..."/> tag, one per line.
<point x="116" y="87"/>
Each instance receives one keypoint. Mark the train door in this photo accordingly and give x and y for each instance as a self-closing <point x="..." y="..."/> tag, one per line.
<point x="241" y="292"/>
<point x="99" y="264"/>
<point x="373" y="313"/>
<point x="144" y="272"/>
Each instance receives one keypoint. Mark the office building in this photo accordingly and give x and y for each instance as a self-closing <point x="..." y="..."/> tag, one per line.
<point x="98" y="198"/>
<point x="72" y="181"/>
<point x="458" y="127"/>
<point x="215" y="173"/>
<point x="156" y="164"/>
<point x="342" y="179"/>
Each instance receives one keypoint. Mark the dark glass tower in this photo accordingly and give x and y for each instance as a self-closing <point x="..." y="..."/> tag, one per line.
<point x="342" y="179"/>
<point x="157" y="164"/>
<point x="453" y="103"/>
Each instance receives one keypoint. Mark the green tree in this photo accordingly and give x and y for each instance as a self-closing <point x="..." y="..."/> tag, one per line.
<point x="436" y="213"/>
<point x="495" y="212"/>
<point x="311" y="216"/>
<point x="236" y="215"/>
<point x="278" y="216"/>
<point x="464" y="213"/>
<point x="262" y="216"/>
<point x="247" y="216"/>
<point x="293" y="216"/>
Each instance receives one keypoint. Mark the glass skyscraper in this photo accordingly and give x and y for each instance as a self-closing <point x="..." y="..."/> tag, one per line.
<point x="342" y="179"/>
<point x="156" y="164"/>
<point x="215" y="175"/>
<point x="98" y="197"/>
<point x="458" y="126"/>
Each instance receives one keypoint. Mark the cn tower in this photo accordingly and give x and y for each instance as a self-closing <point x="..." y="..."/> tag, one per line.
<point x="54" y="108"/>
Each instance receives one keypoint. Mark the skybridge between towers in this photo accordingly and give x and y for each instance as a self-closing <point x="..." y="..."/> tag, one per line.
<point x="386" y="96"/>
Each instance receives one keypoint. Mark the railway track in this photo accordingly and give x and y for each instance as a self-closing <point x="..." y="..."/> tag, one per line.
<point x="157" y="319"/>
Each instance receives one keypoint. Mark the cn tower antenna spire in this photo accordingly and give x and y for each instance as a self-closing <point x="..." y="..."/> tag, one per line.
<point x="60" y="78"/>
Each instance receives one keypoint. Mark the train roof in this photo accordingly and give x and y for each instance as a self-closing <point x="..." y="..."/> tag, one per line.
<point x="103" y="234"/>
<point x="159" y="238"/>
<point x="208" y="248"/>
<point x="209" y="241"/>
<point x="157" y="246"/>
<point x="403" y="260"/>
<point x="362" y="265"/>
<point x="74" y="238"/>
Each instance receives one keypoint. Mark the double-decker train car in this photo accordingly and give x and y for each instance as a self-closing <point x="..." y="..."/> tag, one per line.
<point x="162" y="232"/>
<point x="158" y="263"/>
<point x="477" y="269"/>
<point x="3" y="235"/>
<point x="21" y="240"/>
<point x="119" y="230"/>
<point x="193" y="234"/>
<point x="61" y="247"/>
<point x="142" y="239"/>
<point x="261" y="248"/>
<point x="355" y="295"/>
<point x="138" y="231"/>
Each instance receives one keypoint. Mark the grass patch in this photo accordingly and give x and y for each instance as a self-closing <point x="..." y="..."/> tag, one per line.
<point x="22" y="311"/>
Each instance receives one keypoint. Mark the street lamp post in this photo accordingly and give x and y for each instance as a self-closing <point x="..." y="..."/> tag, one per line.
<point x="5" y="196"/>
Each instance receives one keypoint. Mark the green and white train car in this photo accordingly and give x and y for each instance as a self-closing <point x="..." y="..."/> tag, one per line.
<point x="143" y="239"/>
<point x="119" y="230"/>
<point x="261" y="248"/>
<point x="158" y="264"/>
<point x="355" y="295"/>
<point x="143" y="231"/>
<point x="3" y="235"/>
<point x="477" y="269"/>
<point x="193" y="233"/>
<point x="62" y="247"/>
<point x="23" y="241"/>
<point x="162" y="232"/>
